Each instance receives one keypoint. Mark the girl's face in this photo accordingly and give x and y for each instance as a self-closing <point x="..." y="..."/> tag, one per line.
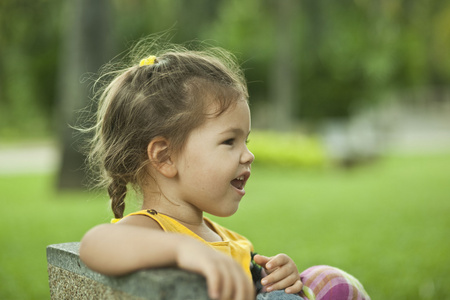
<point x="214" y="165"/>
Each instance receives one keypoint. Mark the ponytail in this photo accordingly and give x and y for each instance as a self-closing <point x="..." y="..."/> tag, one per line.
<point x="117" y="191"/>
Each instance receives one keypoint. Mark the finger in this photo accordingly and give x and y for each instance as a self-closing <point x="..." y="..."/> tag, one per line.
<point x="294" y="289"/>
<point x="277" y="261"/>
<point x="251" y="293"/>
<point x="261" y="260"/>
<point x="239" y="293"/>
<point x="228" y="286"/>
<point x="239" y="283"/>
<point x="283" y="283"/>
<point x="241" y="287"/>
<point x="213" y="283"/>
<point x="278" y="274"/>
<point x="244" y="290"/>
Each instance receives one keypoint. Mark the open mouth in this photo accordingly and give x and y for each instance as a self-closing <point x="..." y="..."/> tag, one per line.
<point x="239" y="182"/>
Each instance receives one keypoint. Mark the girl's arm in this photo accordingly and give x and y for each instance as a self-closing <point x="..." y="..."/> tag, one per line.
<point x="282" y="274"/>
<point x="120" y="249"/>
<point x="116" y="249"/>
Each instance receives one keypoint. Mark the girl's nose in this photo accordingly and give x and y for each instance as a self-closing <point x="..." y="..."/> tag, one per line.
<point x="247" y="157"/>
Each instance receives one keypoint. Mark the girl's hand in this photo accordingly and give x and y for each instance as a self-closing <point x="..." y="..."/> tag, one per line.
<point x="225" y="278"/>
<point x="282" y="273"/>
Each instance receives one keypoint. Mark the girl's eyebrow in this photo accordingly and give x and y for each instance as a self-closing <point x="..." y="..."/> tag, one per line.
<point x="232" y="129"/>
<point x="235" y="130"/>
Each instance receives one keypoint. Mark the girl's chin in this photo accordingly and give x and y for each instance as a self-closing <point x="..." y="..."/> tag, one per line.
<point x="225" y="213"/>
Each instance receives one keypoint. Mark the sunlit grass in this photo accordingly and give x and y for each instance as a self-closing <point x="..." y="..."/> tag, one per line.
<point x="386" y="223"/>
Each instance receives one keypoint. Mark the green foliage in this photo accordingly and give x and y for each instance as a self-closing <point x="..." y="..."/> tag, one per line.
<point x="286" y="149"/>
<point x="346" y="53"/>
<point x="29" y="39"/>
<point x="386" y="223"/>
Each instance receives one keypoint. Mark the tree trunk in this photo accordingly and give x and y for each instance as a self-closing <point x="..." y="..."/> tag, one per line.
<point x="86" y="45"/>
<point x="284" y="79"/>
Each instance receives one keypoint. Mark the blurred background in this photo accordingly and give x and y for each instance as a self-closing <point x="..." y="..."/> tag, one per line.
<point x="350" y="107"/>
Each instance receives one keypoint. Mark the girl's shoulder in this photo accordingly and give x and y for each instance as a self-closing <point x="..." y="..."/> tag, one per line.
<point x="140" y="219"/>
<point x="153" y="219"/>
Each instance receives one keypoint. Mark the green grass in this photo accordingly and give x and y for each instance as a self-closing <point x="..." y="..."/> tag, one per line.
<point x="387" y="223"/>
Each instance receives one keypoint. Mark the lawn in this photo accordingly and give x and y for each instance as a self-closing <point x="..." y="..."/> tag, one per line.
<point x="387" y="223"/>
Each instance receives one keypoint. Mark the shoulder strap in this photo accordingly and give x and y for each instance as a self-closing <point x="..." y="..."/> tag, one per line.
<point x="151" y="213"/>
<point x="165" y="222"/>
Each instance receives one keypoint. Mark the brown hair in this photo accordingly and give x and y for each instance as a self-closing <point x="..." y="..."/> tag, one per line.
<point x="165" y="99"/>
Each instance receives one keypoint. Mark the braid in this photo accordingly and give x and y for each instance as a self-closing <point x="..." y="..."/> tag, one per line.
<point x="117" y="191"/>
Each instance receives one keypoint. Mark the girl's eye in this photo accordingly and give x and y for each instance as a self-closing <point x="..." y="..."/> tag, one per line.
<point x="229" y="142"/>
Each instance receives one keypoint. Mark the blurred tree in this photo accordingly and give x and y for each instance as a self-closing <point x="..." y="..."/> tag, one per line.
<point x="86" y="46"/>
<point x="344" y="54"/>
<point x="250" y="36"/>
<point x="28" y="62"/>
<point x="283" y="78"/>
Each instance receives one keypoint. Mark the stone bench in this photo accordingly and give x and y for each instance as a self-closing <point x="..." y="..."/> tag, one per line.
<point x="69" y="278"/>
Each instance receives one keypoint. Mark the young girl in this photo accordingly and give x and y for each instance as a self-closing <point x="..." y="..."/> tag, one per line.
<point x="175" y="127"/>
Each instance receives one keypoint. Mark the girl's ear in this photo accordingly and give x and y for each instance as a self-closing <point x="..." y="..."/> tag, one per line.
<point x="159" y="156"/>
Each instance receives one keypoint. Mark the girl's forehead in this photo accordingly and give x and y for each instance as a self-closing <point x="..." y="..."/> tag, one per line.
<point x="236" y="119"/>
<point x="238" y="114"/>
<point x="217" y="108"/>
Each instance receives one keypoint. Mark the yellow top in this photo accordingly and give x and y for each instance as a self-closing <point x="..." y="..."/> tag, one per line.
<point x="232" y="244"/>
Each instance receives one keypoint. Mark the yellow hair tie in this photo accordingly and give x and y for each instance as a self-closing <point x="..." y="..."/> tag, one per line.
<point x="147" y="61"/>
